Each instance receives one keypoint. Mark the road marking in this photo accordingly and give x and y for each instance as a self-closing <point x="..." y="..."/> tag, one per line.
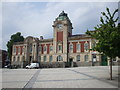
<point x="31" y="82"/>
<point x="62" y="80"/>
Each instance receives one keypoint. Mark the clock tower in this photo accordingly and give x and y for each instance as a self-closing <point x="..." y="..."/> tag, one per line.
<point x="62" y="30"/>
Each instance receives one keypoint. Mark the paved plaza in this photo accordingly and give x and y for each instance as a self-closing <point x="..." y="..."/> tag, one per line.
<point x="78" y="77"/>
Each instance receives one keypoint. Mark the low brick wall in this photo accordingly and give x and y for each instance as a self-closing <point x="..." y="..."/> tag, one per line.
<point x="60" y="64"/>
<point x="78" y="64"/>
<point x="52" y="65"/>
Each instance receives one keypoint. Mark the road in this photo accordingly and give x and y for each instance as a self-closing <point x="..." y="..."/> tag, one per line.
<point x="79" y="77"/>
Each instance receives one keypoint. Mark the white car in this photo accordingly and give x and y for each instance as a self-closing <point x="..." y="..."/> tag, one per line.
<point x="32" y="65"/>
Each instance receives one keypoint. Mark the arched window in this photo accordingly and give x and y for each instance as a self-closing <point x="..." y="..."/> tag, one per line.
<point x="51" y="48"/>
<point x="86" y="57"/>
<point x="30" y="48"/>
<point x="59" y="58"/>
<point x="50" y="58"/>
<point x="70" y="47"/>
<point x="44" y="58"/>
<point x="45" y="48"/>
<point x="93" y="44"/>
<point x="86" y="46"/>
<point x="78" y="57"/>
<point x="78" y="47"/>
<point x="59" y="47"/>
<point x="14" y="49"/>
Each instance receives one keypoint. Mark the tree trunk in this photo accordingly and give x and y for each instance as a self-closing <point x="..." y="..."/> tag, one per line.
<point x="110" y="68"/>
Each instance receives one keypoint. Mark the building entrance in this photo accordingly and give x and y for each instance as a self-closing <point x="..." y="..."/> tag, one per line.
<point x="94" y="59"/>
<point x="70" y="62"/>
<point x="30" y="59"/>
<point x="104" y="60"/>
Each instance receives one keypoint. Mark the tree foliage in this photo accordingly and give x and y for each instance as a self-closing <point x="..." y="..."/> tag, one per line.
<point x="14" y="38"/>
<point x="107" y="34"/>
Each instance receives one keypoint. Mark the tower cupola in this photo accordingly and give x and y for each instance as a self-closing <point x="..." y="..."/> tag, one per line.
<point x="62" y="16"/>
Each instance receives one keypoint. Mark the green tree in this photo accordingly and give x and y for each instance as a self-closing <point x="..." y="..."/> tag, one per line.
<point x="108" y="35"/>
<point x="14" y="38"/>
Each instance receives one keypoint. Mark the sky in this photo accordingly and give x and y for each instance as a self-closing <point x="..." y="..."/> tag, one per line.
<point x="36" y="18"/>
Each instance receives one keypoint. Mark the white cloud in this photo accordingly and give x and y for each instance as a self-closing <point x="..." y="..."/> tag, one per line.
<point x="36" y="19"/>
<point x="60" y="0"/>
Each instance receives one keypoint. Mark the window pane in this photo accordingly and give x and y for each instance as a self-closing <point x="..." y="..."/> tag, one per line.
<point x="50" y="58"/>
<point x="14" y="49"/>
<point x="78" y="47"/>
<point x="51" y="48"/>
<point x="86" y="46"/>
<point x="44" y="58"/>
<point x="44" y="48"/>
<point x="30" y="48"/>
<point x="86" y="57"/>
<point x="78" y="57"/>
<point x="60" y="47"/>
<point x="93" y="44"/>
<point x="71" y="47"/>
<point x="59" y="58"/>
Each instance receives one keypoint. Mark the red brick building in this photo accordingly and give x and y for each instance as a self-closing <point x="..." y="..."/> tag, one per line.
<point x="64" y="49"/>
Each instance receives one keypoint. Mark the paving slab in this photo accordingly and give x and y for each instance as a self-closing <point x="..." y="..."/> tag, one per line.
<point x="78" y="77"/>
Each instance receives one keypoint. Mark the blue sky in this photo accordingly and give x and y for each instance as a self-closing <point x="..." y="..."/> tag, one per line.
<point x="36" y="18"/>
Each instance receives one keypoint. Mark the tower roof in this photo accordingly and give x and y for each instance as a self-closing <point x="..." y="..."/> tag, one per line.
<point x="63" y="14"/>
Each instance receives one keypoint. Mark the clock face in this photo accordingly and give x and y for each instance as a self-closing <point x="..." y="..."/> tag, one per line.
<point x="60" y="26"/>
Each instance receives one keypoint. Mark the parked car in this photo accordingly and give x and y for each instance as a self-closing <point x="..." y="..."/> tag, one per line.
<point x="32" y="65"/>
<point x="8" y="66"/>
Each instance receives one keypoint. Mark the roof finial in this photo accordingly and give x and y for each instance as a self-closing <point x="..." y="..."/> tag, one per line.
<point x="63" y="13"/>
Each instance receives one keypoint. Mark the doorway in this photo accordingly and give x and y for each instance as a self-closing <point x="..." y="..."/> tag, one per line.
<point x="104" y="60"/>
<point x="30" y="59"/>
<point x="70" y="62"/>
<point x="94" y="59"/>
